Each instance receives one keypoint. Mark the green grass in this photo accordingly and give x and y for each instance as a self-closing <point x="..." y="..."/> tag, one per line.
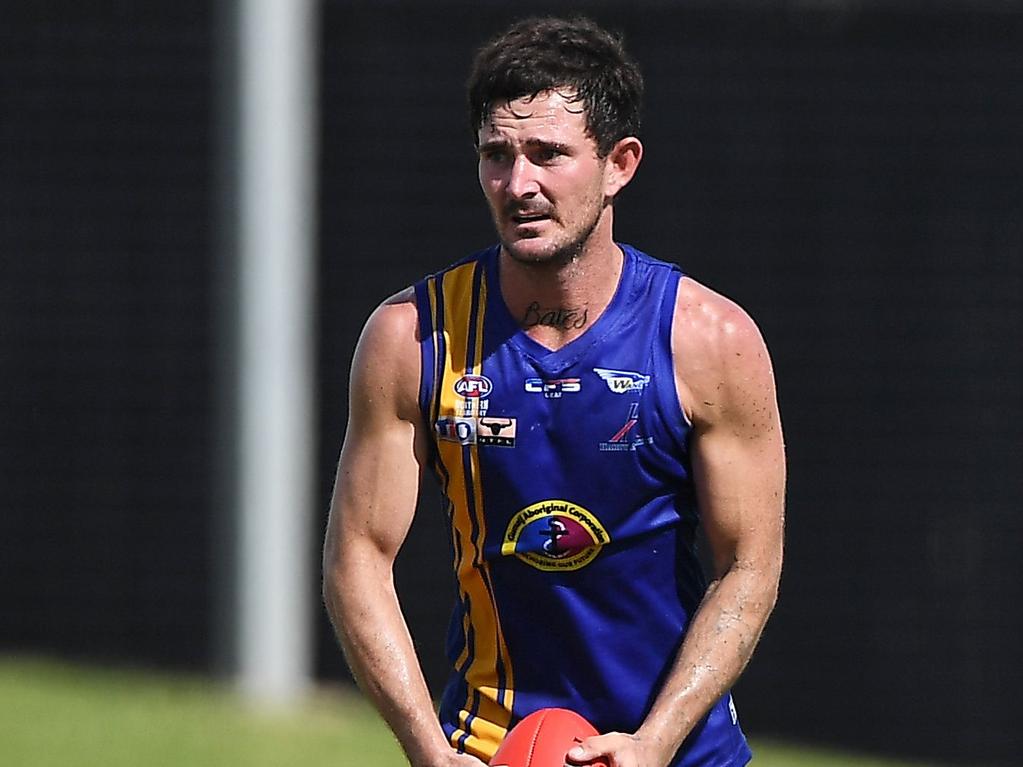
<point x="70" y="716"/>
<point x="57" y="715"/>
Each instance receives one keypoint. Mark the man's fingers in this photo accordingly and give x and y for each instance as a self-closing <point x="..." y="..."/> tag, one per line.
<point x="578" y="754"/>
<point x="593" y="747"/>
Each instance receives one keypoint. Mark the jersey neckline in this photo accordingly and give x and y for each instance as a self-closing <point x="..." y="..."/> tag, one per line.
<point x="554" y="360"/>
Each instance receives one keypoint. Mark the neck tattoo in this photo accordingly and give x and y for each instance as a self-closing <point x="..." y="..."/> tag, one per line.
<point x="562" y="317"/>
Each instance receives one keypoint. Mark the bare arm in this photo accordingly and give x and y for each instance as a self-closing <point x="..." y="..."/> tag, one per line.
<point x="371" y="511"/>
<point x="725" y="376"/>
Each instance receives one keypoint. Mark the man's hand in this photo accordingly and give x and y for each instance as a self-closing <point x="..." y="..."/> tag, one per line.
<point x="620" y="749"/>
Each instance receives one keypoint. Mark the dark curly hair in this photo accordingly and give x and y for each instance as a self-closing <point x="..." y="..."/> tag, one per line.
<point x="540" y="54"/>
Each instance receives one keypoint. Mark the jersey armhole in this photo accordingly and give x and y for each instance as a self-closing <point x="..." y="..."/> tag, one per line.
<point x="427" y="297"/>
<point x="672" y="397"/>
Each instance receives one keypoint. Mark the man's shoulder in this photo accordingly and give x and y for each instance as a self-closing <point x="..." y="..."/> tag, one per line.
<point x="395" y="312"/>
<point x="392" y="328"/>
<point x="709" y="316"/>
<point x="717" y="345"/>
<point x="386" y="364"/>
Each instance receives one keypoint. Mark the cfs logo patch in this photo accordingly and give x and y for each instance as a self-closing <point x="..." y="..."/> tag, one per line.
<point x="622" y="381"/>
<point x="554" y="388"/>
<point x="554" y="536"/>
<point x="473" y="387"/>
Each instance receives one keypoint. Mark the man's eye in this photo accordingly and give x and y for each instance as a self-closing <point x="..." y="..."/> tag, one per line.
<point x="549" y="154"/>
<point x="495" y="155"/>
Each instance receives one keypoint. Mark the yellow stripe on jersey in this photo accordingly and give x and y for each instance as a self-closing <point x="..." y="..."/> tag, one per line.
<point x="455" y="291"/>
<point x="486" y="715"/>
<point x="485" y="737"/>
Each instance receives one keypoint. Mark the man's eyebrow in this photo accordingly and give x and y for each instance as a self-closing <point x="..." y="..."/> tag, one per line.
<point x="538" y="143"/>
<point x="494" y="143"/>
<point x="532" y="143"/>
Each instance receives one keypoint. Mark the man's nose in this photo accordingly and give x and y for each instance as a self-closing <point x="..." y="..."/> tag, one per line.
<point x="522" y="179"/>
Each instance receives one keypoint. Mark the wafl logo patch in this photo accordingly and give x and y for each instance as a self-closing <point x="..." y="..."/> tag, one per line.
<point x="622" y="381"/>
<point x="554" y="536"/>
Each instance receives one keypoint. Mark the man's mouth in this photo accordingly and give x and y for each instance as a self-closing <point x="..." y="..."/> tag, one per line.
<point x="529" y="218"/>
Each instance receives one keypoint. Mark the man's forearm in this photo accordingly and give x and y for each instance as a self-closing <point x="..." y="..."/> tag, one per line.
<point x="718" y="645"/>
<point x="373" y="633"/>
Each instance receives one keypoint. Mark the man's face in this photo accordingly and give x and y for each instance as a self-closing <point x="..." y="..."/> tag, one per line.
<point x="541" y="175"/>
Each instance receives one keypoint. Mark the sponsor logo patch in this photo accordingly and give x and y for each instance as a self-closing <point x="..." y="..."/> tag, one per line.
<point x="622" y="381"/>
<point x="496" y="431"/>
<point x="626" y="439"/>
<point x="473" y="387"/>
<point x="460" y="430"/>
<point x="553" y="389"/>
<point x="554" y="536"/>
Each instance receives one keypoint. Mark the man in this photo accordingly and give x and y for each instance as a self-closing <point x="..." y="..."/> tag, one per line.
<point x="580" y="403"/>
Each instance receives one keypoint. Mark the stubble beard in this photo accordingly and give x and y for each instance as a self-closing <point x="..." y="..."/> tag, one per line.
<point x="559" y="254"/>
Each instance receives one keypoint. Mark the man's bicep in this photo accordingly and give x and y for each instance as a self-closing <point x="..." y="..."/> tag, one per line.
<point x="738" y="452"/>
<point x="740" y="487"/>
<point x="376" y="487"/>
<point x="378" y="472"/>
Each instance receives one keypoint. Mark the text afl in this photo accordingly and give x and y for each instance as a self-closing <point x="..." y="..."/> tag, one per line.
<point x="473" y="387"/>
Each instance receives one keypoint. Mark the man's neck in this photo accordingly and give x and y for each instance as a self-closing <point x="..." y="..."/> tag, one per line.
<point x="556" y="303"/>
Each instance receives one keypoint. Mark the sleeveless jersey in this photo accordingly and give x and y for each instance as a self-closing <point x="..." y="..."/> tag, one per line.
<point x="571" y="507"/>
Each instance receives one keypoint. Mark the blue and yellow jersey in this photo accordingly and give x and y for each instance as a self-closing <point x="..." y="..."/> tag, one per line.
<point x="572" y="514"/>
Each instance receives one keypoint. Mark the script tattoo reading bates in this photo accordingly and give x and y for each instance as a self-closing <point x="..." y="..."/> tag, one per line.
<point x="560" y="317"/>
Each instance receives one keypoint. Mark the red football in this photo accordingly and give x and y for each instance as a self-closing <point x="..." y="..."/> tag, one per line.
<point x="542" y="739"/>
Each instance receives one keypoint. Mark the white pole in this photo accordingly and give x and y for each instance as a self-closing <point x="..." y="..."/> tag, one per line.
<point x="276" y="212"/>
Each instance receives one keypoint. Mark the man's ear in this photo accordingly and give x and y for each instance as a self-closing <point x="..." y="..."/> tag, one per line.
<point x="622" y="162"/>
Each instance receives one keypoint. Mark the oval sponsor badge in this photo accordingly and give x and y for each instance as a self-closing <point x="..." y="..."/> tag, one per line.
<point x="554" y="536"/>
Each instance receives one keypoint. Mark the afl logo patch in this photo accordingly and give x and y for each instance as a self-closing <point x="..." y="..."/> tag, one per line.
<point x="473" y="387"/>
<point x="554" y="536"/>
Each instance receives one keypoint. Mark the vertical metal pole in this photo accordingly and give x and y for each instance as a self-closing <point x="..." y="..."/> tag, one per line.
<point x="277" y="91"/>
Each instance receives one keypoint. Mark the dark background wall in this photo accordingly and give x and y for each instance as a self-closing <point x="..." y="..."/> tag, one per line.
<point x="106" y="158"/>
<point x="849" y="172"/>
